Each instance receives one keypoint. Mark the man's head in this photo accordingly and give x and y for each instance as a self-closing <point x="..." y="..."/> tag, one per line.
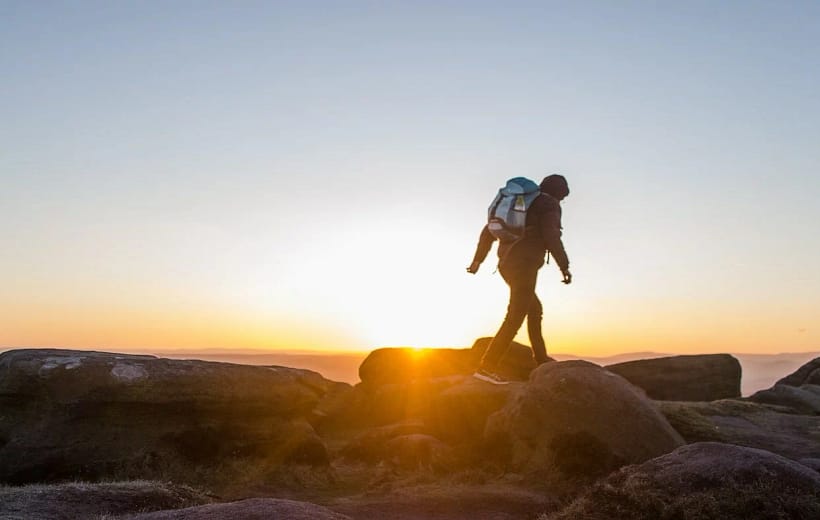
<point x="556" y="186"/>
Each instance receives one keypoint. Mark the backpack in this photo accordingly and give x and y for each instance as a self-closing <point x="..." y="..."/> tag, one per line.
<point x="507" y="215"/>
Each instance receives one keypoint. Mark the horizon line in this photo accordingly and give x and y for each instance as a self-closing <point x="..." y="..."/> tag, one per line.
<point x="331" y="352"/>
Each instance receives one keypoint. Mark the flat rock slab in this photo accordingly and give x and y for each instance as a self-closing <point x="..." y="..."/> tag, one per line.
<point x="803" y="399"/>
<point x="69" y="415"/>
<point x="705" y="377"/>
<point x="746" y="423"/>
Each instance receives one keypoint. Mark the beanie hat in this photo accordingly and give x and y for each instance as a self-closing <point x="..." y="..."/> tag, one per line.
<point x="555" y="185"/>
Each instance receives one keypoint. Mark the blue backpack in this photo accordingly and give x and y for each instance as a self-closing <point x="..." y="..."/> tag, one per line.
<point x="507" y="215"/>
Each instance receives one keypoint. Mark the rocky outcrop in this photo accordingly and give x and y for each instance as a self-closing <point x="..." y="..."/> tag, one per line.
<point x="84" y="500"/>
<point x="703" y="480"/>
<point x="744" y="423"/>
<point x="784" y="419"/>
<point x="381" y="405"/>
<point x="803" y="399"/>
<point x="799" y="391"/>
<point x="579" y="418"/>
<point x="404" y="365"/>
<point x="249" y="509"/>
<point x="808" y="374"/>
<point x="387" y="366"/>
<point x="416" y="424"/>
<point x="371" y="445"/>
<point x="705" y="377"/>
<point x="91" y="415"/>
<point x="459" y="413"/>
<point x="516" y="364"/>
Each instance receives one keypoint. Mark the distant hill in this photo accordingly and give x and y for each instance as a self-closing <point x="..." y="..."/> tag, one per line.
<point x="760" y="371"/>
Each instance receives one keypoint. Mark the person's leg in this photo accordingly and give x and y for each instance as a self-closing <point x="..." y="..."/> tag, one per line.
<point x="522" y="291"/>
<point x="534" y="315"/>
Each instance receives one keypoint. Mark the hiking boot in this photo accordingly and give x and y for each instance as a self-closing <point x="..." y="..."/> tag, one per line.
<point x="490" y="377"/>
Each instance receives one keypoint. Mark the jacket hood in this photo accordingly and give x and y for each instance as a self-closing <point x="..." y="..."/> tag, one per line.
<point x="555" y="185"/>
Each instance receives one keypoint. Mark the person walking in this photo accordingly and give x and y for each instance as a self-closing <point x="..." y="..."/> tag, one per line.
<point x="519" y="262"/>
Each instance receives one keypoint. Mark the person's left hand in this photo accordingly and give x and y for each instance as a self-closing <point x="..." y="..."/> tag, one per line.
<point x="567" y="277"/>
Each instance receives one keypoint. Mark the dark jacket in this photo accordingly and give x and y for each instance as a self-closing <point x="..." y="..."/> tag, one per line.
<point x="543" y="233"/>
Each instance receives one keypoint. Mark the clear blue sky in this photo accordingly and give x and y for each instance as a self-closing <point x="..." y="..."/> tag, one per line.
<point x="315" y="174"/>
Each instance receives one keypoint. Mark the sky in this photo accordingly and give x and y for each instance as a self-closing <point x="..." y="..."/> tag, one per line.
<point x="314" y="175"/>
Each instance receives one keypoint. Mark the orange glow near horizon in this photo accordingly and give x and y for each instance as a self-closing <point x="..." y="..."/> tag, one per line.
<point x="140" y="330"/>
<point x="359" y="302"/>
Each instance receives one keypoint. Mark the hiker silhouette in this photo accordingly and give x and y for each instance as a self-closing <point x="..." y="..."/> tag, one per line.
<point x="521" y="254"/>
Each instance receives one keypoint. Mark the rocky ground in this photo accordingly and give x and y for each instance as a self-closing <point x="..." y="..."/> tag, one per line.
<point x="97" y="435"/>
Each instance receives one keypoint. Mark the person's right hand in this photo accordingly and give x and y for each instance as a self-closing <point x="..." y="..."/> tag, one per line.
<point x="567" y="277"/>
<point x="473" y="268"/>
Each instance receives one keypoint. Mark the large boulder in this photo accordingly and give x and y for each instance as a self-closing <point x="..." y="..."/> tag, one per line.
<point x="91" y="415"/>
<point x="516" y="364"/>
<point x="404" y="365"/>
<point x="248" y="509"/>
<point x="580" y="418"/>
<point x="684" y="378"/>
<point x="86" y="500"/>
<point x="703" y="480"/>
<point x="746" y="423"/>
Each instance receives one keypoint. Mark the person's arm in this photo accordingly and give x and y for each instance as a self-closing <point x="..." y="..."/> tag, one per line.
<point x="550" y="223"/>
<point x="485" y="243"/>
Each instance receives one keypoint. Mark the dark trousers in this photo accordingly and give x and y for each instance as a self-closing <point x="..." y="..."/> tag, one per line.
<point x="523" y="304"/>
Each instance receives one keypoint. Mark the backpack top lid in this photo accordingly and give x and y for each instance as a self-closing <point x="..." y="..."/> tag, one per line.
<point x="520" y="186"/>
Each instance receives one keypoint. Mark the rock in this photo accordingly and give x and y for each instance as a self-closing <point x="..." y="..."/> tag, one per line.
<point x="84" y="500"/>
<point x="703" y="480"/>
<point x="803" y="399"/>
<point x="333" y="410"/>
<point x="458" y="414"/>
<point x="91" y="415"/>
<point x="405" y="365"/>
<point x="379" y="405"/>
<point x="419" y="451"/>
<point x="371" y="446"/>
<point x="249" y="509"/>
<point x="516" y="364"/>
<point x="580" y="418"/>
<point x="799" y="391"/>
<point x="684" y="378"/>
<point x="813" y="463"/>
<point x="746" y="423"/>
<point x="808" y="374"/>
